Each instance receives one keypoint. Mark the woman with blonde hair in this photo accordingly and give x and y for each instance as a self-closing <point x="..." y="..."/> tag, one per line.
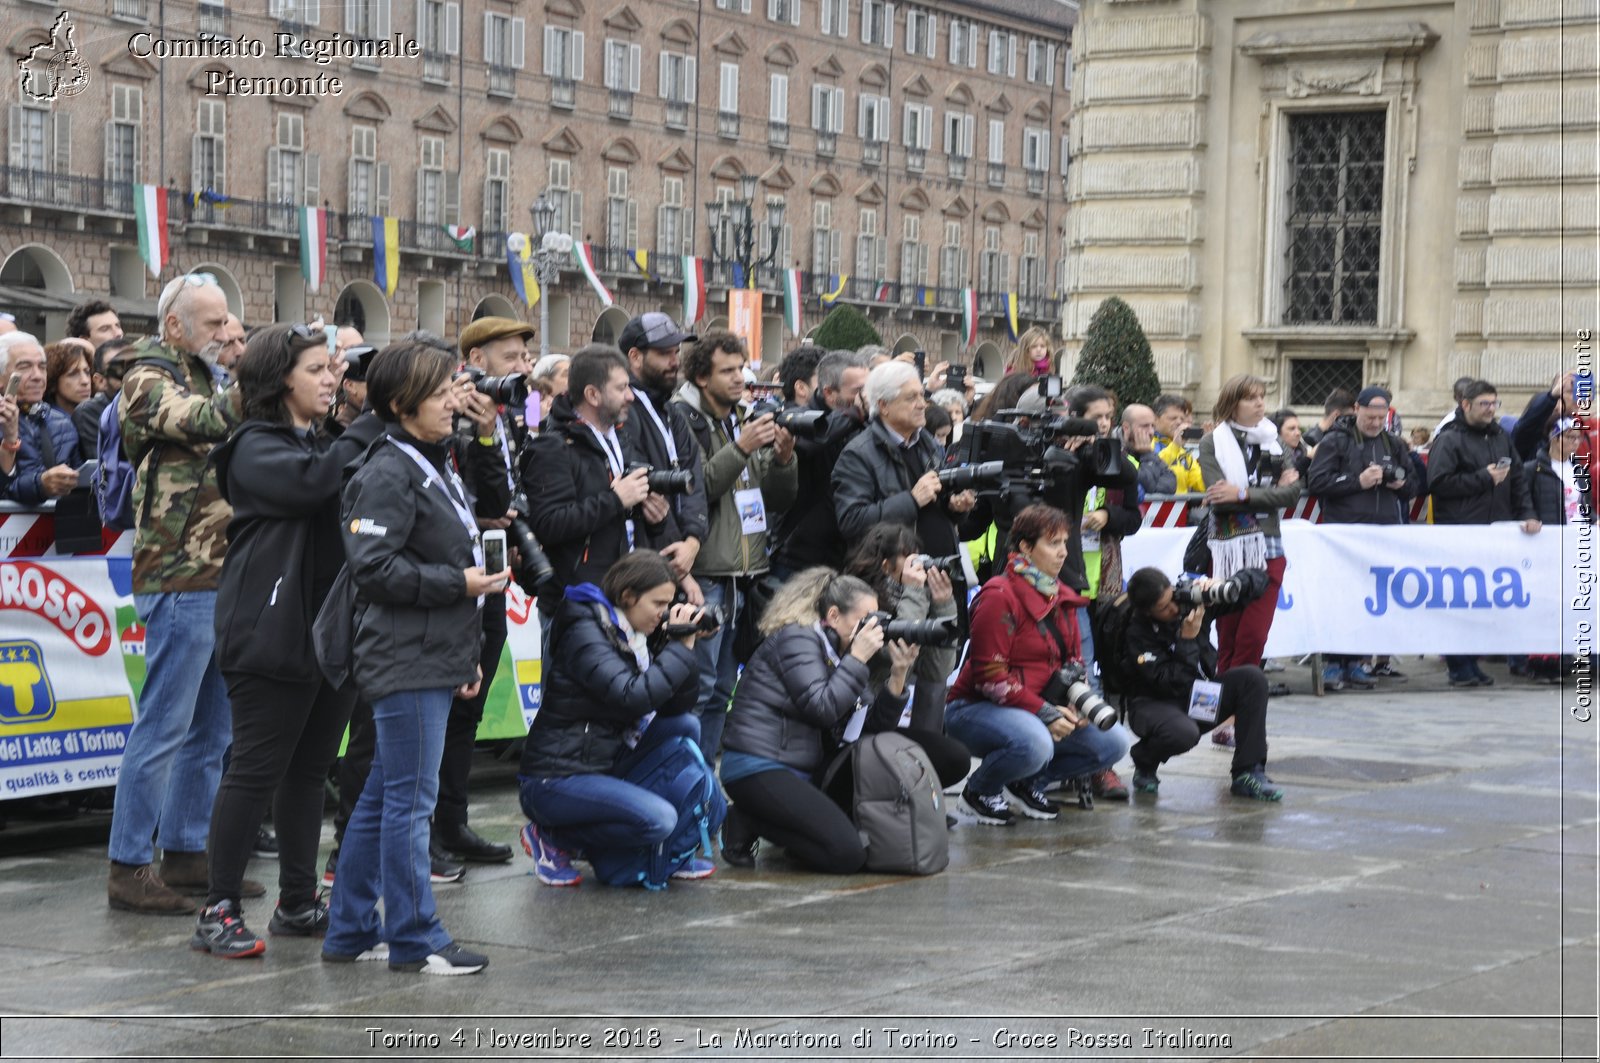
<point x="1032" y="354"/>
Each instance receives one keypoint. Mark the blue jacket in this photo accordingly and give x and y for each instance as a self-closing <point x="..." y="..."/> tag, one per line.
<point x="43" y="422"/>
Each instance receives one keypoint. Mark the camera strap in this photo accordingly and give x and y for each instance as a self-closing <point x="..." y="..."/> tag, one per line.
<point x="457" y="496"/>
<point x="666" y="434"/>
<point x="1045" y="627"/>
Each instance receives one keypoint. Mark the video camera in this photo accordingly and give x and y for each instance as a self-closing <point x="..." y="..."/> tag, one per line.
<point x="664" y="481"/>
<point x="797" y="421"/>
<point x="1024" y="444"/>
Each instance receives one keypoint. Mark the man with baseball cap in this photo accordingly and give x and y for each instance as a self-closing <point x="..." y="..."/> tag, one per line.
<point x="1362" y="474"/>
<point x="660" y="431"/>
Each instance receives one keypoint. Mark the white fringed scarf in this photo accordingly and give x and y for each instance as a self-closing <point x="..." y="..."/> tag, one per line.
<point x="1236" y="540"/>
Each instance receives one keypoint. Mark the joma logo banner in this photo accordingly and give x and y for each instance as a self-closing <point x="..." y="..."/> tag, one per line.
<point x="1438" y="587"/>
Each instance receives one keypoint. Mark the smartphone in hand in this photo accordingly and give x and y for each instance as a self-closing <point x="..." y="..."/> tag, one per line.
<point x="494" y="551"/>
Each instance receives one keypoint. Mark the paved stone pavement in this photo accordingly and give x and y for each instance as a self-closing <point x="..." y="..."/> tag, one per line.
<point x="1427" y="888"/>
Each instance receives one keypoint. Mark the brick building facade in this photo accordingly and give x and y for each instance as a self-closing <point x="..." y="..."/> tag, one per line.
<point x="916" y="148"/>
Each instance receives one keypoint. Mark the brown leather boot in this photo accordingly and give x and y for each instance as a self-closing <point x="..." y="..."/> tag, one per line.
<point x="191" y="873"/>
<point x="140" y="889"/>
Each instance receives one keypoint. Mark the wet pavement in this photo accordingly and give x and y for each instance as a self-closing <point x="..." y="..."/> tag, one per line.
<point x="1427" y="887"/>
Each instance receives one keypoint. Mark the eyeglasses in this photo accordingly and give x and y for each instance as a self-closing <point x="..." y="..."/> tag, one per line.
<point x="1487" y="404"/>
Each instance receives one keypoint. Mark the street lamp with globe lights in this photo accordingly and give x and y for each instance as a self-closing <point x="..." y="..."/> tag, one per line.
<point x="551" y="249"/>
<point x="738" y="242"/>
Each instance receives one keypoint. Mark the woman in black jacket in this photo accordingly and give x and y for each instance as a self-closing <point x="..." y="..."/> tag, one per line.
<point x="808" y="678"/>
<point x="283" y="555"/>
<point x="608" y="700"/>
<point x="417" y="569"/>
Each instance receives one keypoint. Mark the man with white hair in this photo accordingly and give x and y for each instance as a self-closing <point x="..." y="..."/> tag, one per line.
<point x="173" y="414"/>
<point x="46" y="443"/>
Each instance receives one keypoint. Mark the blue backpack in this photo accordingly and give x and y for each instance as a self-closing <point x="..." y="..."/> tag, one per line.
<point x="676" y="771"/>
<point x="114" y="479"/>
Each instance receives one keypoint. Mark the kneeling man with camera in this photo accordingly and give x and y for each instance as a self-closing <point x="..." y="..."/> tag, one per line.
<point x="1166" y="668"/>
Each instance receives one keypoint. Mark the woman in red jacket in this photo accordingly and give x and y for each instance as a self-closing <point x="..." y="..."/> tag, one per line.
<point x="1024" y="628"/>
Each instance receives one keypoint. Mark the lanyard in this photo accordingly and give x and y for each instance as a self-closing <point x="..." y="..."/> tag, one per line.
<point x="827" y="645"/>
<point x="505" y="452"/>
<point x="457" y="496"/>
<point x="666" y="436"/>
<point x="613" y="459"/>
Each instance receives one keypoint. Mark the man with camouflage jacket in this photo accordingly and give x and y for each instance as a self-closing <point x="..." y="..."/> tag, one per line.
<point x="172" y="414"/>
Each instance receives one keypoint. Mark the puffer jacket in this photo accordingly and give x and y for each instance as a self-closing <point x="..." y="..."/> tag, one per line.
<point x="790" y="697"/>
<point x="726" y="549"/>
<point x="1335" y="477"/>
<point x="415" y="627"/>
<point x="48" y="439"/>
<point x="1183" y="465"/>
<point x="175" y="415"/>
<point x="1458" y="476"/>
<point x="595" y="691"/>
<point x="1549" y="493"/>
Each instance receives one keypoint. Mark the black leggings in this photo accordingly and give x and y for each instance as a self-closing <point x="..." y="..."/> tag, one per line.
<point x="285" y="735"/>
<point x="784" y="808"/>
<point x="1166" y="729"/>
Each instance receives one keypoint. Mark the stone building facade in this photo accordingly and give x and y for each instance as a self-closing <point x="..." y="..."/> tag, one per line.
<point x="916" y="148"/>
<point x="1332" y="193"/>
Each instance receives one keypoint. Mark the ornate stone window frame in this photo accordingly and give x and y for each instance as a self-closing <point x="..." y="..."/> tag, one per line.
<point x="1357" y="66"/>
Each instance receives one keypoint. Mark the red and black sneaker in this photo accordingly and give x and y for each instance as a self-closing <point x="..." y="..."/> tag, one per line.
<point x="221" y="932"/>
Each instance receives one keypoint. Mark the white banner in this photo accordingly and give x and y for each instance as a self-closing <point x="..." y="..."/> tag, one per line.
<point x="1422" y="589"/>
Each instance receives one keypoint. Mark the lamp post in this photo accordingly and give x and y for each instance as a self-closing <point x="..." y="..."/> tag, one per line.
<point x="737" y="243"/>
<point x="553" y="248"/>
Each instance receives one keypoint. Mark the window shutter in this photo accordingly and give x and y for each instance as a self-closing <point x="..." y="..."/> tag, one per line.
<point x="383" y="19"/>
<point x="488" y="38"/>
<point x="421" y="213"/>
<point x="794" y="12"/>
<point x="312" y="11"/>
<point x="663" y="89"/>
<point x="866" y="20"/>
<point x="16" y="146"/>
<point x="932" y="49"/>
<point x="61" y="142"/>
<point x="969" y="125"/>
<point x="744" y="6"/>
<point x="635" y="61"/>
<point x="422" y="23"/>
<point x="778" y="100"/>
<point x="274" y="188"/>
<point x="1050" y="65"/>
<point x="838" y="110"/>
<point x="816" y="107"/>
<point x="518" y="35"/>
<point x="108" y="169"/>
<point x="772" y="10"/>
<point x="972" y="48"/>
<point x="313" y="179"/>
<point x="1011" y="55"/>
<point x="608" y="64"/>
<point x="843" y="28"/>
<point x="826" y="7"/>
<point x="452" y="29"/>
<point x="908" y="127"/>
<point x="948" y="140"/>
<point x="884" y="119"/>
<point x="452" y="198"/>
<point x="888" y="25"/>
<point x="551" y="43"/>
<point x="835" y="251"/>
<point x="661" y="230"/>
<point x="380" y="203"/>
<point x="577" y="56"/>
<point x="352" y="201"/>
<point x="861" y="116"/>
<point x="690" y="79"/>
<point x="955" y="42"/>
<point x="352" y="15"/>
<point x="633" y="223"/>
<point x="927" y="127"/>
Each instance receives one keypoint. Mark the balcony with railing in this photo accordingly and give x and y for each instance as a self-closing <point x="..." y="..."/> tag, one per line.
<point x="957" y="167"/>
<point x="213" y="20"/>
<point x="997" y="174"/>
<point x="436" y="67"/>
<point x="133" y="10"/>
<point x="1035" y="182"/>
<point x="502" y="80"/>
<point x="778" y="134"/>
<point x="827" y="143"/>
<point x="677" y="114"/>
<point x="43" y="188"/>
<point x="872" y="153"/>
<point x="728" y="124"/>
<point x="563" y="93"/>
<point x="621" y="105"/>
<point x="916" y="159"/>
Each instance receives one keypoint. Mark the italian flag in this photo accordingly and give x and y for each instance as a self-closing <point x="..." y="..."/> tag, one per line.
<point x="150" y="207"/>
<point x="461" y="235"/>
<point x="792" y="300"/>
<point x="694" y="289"/>
<point x="313" y="245"/>
<point x="585" y="256"/>
<point x="969" y="315"/>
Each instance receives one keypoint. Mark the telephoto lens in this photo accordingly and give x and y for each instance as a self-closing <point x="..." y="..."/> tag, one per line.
<point x="1069" y="688"/>
<point x="709" y="620"/>
<point x="947" y="565"/>
<point x="797" y="422"/>
<point x="665" y="481"/>
<point x="509" y="390"/>
<point x="973" y="477"/>
<point x="945" y="632"/>
<point x="535" y="570"/>
<point x="1188" y="593"/>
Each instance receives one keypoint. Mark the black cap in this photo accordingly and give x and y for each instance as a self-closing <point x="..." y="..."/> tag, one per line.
<point x="1369" y="394"/>
<point x="652" y="331"/>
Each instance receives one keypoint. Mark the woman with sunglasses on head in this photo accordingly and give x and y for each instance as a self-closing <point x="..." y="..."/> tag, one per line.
<point x="417" y="568"/>
<point x="283" y="555"/>
<point x="805" y="681"/>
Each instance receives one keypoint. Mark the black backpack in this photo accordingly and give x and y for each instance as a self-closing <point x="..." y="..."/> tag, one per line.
<point x="1109" y="622"/>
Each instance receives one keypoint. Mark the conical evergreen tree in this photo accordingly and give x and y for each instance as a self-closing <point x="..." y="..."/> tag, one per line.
<point x="1116" y="355"/>
<point x="846" y="328"/>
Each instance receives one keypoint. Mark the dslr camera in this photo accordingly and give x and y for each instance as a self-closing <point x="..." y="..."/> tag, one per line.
<point x="510" y="390"/>
<point x="944" y="632"/>
<point x="795" y="421"/>
<point x="1239" y="589"/>
<point x="977" y="477"/>
<point x="707" y="622"/>
<point x="1070" y="687"/>
<point x="947" y="565"/>
<point x="1393" y="473"/>
<point x="664" y="481"/>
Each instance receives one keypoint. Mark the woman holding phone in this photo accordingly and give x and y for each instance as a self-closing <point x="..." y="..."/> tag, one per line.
<point x="419" y="579"/>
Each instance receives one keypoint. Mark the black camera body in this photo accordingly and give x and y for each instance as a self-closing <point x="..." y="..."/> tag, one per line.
<point x="810" y="423"/>
<point x="1393" y="472"/>
<point x="510" y="390"/>
<point x="706" y="623"/>
<point x="1070" y="687"/>
<point x="948" y="564"/>
<point x="664" y="481"/>
<point x="946" y="632"/>
<point x="1269" y="467"/>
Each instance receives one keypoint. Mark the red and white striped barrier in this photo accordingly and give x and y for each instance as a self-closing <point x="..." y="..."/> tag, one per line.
<point x="1166" y="512"/>
<point x="1305" y="508"/>
<point x="34" y="535"/>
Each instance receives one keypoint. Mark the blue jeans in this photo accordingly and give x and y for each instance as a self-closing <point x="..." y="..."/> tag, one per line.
<point x="595" y="811"/>
<point x="173" y="760"/>
<point x="718" y="668"/>
<point x="1017" y="748"/>
<point x="1086" y="637"/>
<point x="385" y="848"/>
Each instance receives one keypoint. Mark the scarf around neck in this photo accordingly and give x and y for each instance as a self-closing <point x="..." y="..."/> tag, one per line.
<point x="1047" y="586"/>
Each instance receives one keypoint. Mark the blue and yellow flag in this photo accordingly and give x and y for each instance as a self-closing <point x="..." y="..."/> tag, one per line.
<point x="206" y="195"/>
<point x="385" y="253"/>
<point x="1011" y="316"/>
<point x="924" y="295"/>
<point x="520" y="262"/>
<point x="838" y="280"/>
<point x="641" y="260"/>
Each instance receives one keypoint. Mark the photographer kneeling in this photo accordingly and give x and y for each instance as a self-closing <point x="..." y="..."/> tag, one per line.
<point x="613" y="694"/>
<point x="1166" y="651"/>
<point x="1025" y="662"/>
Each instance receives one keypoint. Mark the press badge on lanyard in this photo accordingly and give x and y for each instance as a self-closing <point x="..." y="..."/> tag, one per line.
<point x="457" y="497"/>
<point x="752" y="507"/>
